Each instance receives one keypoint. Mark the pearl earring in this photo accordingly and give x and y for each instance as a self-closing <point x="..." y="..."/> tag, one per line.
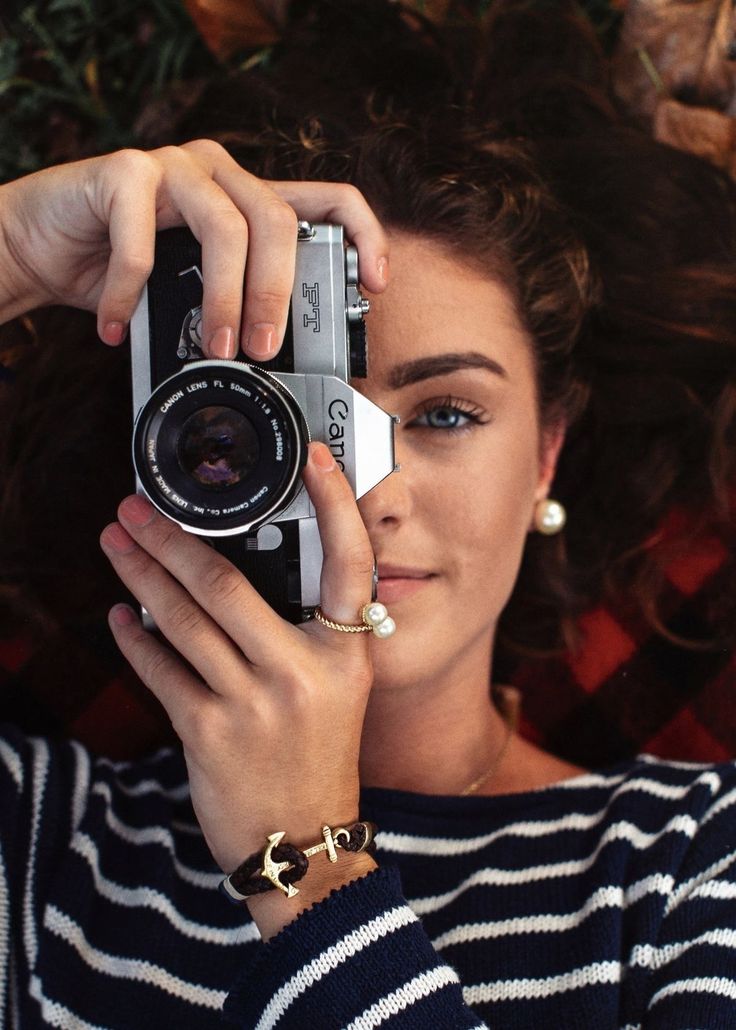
<point x="549" y="516"/>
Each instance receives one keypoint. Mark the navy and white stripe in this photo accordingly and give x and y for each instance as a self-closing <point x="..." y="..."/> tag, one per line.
<point x="606" y="901"/>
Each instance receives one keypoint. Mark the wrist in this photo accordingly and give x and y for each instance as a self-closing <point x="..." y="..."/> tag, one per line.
<point x="272" y="911"/>
<point x="267" y="880"/>
<point x="19" y="289"/>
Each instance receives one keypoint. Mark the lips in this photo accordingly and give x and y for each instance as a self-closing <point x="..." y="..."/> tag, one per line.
<point x="400" y="572"/>
<point x="395" y="582"/>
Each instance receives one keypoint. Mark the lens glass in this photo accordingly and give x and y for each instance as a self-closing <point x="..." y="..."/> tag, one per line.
<point x="218" y="447"/>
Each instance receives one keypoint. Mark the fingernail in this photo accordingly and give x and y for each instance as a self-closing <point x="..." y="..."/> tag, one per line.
<point x="137" y="510"/>
<point x="116" y="539"/>
<point x="262" y="341"/>
<point x="222" y="343"/>
<point x="113" y="333"/>
<point x="383" y="269"/>
<point x="321" y="457"/>
<point x="122" y="615"/>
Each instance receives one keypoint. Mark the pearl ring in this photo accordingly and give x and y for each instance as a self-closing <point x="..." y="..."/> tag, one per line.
<point x="375" y="619"/>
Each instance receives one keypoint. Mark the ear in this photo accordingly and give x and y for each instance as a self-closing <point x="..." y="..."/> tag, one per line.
<point x="551" y="443"/>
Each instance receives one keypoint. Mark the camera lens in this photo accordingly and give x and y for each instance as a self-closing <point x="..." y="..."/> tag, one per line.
<point x="218" y="447"/>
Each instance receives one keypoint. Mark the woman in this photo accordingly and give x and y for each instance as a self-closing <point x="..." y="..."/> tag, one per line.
<point x="549" y="896"/>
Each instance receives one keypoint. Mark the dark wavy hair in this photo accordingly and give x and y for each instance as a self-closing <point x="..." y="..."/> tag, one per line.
<point x="498" y="139"/>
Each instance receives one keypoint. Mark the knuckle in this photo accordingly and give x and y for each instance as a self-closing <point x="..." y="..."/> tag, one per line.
<point x="230" y="225"/>
<point x="358" y="560"/>
<point x="300" y="691"/>
<point x="222" y="581"/>
<point x="202" y="730"/>
<point x="184" y="617"/>
<point x="135" y="163"/>
<point x="135" y="265"/>
<point x="205" y="147"/>
<point x="350" y="195"/>
<point x="220" y="305"/>
<point x="353" y="667"/>
<point x="168" y="539"/>
<point x="282" y="218"/>
<point x="157" y="665"/>
<point x="171" y="154"/>
<point x="268" y="299"/>
<point x="139" y="564"/>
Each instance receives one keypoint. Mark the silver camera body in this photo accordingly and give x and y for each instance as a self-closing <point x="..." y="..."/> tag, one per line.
<point x="218" y="446"/>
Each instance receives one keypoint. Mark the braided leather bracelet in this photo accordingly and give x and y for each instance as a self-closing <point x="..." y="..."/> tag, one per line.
<point x="280" y="865"/>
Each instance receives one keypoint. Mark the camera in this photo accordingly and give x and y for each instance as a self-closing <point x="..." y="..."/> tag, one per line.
<point x="218" y="446"/>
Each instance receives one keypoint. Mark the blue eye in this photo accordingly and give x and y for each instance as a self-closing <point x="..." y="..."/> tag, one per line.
<point x="445" y="418"/>
<point x="448" y="414"/>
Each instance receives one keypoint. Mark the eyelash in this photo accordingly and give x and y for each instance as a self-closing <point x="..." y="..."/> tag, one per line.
<point x="471" y="412"/>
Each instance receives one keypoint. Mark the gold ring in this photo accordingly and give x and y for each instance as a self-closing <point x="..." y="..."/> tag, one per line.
<point x="375" y="617"/>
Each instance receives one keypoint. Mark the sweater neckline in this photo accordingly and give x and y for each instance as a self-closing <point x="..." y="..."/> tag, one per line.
<point x="387" y="798"/>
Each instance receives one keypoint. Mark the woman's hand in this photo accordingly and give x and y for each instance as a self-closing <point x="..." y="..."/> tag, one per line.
<point x="270" y="714"/>
<point x="83" y="235"/>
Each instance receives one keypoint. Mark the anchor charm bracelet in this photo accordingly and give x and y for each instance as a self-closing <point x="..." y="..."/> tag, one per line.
<point x="280" y="865"/>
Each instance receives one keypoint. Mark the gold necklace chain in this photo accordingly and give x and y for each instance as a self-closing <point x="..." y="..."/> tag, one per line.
<point x="507" y="701"/>
<point x="497" y="759"/>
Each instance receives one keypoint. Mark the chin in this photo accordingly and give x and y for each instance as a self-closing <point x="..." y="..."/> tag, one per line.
<point x="411" y="656"/>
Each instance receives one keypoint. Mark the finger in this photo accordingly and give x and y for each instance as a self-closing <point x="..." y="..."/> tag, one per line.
<point x="342" y="204"/>
<point x="269" y="278"/>
<point x="223" y="232"/>
<point x="347" y="570"/>
<point x="165" y="675"/>
<point x="132" y="179"/>
<point x="214" y="583"/>
<point x="272" y="240"/>
<point x="192" y="632"/>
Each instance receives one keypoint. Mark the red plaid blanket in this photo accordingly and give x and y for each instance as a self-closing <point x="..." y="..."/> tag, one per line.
<point x="627" y="689"/>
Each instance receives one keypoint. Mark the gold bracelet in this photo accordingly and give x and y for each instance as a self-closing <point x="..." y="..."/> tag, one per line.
<point x="280" y="864"/>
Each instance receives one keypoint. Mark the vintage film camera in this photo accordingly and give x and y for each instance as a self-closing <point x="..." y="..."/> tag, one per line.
<point x="218" y="446"/>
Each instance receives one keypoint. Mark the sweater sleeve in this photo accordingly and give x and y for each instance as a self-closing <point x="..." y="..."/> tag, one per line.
<point x="693" y="966"/>
<point x="357" y="960"/>
<point x="43" y="790"/>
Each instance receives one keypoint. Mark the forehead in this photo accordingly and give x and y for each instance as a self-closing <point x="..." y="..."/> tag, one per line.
<point x="435" y="305"/>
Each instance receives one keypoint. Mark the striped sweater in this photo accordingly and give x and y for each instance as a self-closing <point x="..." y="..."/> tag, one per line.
<point x="608" y="900"/>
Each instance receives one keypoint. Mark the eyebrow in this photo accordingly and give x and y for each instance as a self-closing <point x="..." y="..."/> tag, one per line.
<point x="440" y="365"/>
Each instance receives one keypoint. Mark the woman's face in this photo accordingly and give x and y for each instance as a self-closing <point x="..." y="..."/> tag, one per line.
<point x="448" y="354"/>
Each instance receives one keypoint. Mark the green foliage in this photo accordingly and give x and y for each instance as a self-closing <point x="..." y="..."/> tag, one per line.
<point x="75" y="73"/>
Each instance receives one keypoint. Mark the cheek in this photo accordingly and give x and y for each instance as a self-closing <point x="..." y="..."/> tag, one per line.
<point x="488" y="529"/>
<point x="471" y="516"/>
